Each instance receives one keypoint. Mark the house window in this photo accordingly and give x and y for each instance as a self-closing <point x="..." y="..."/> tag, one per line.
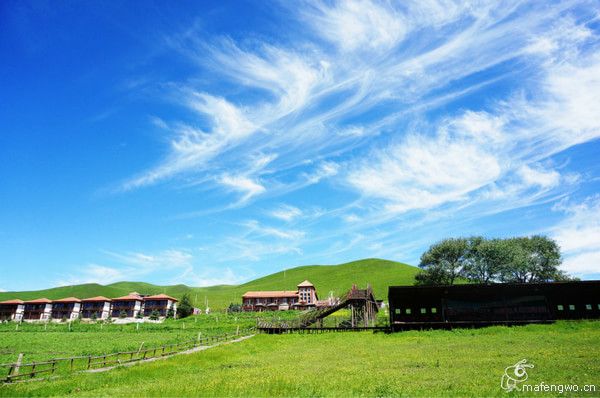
<point x="423" y="311"/>
<point x="408" y="311"/>
<point x="397" y="311"/>
<point x="588" y="307"/>
<point x="433" y="310"/>
<point x="560" y="307"/>
<point x="571" y="307"/>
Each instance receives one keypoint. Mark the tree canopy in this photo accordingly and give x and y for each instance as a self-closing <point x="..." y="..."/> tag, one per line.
<point x="480" y="260"/>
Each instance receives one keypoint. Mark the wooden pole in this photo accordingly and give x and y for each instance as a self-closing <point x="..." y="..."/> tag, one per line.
<point x="17" y="365"/>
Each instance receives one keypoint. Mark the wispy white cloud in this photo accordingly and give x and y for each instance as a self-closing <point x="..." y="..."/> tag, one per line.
<point x="348" y="104"/>
<point x="579" y="236"/>
<point x="423" y="172"/>
<point x="248" y="187"/>
<point x="324" y="170"/>
<point x="286" y="213"/>
<point x="352" y="25"/>
<point x="171" y="266"/>
<point x="95" y="273"/>
<point x="191" y="148"/>
<point x="291" y="234"/>
<point x="208" y="276"/>
<point x="170" y="258"/>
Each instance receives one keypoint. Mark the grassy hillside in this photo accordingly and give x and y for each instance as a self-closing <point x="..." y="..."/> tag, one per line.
<point x="326" y="278"/>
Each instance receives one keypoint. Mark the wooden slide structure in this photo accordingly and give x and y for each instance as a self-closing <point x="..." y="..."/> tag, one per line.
<point x="361" y="302"/>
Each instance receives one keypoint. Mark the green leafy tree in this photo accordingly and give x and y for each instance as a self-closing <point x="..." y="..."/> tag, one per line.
<point x="480" y="260"/>
<point x="486" y="260"/>
<point x="532" y="259"/>
<point x="185" y="307"/>
<point x="443" y="262"/>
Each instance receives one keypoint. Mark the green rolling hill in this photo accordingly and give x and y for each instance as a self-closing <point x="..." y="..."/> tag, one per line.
<point x="326" y="278"/>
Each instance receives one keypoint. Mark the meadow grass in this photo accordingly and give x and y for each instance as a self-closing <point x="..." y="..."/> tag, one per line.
<point x="428" y="363"/>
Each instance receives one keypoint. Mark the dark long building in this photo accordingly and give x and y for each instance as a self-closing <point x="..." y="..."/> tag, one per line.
<point x="413" y="307"/>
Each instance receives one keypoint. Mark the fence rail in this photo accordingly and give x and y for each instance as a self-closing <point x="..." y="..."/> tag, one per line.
<point x="28" y="371"/>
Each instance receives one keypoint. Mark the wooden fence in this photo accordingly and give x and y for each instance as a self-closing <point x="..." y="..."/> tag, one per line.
<point x="42" y="369"/>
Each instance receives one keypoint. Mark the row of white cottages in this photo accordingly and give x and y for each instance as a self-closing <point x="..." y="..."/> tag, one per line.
<point x="133" y="305"/>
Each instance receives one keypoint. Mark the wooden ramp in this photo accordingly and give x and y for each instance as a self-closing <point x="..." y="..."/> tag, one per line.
<point x="360" y="302"/>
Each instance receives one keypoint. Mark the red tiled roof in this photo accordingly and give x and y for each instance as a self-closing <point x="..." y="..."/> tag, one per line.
<point x="39" y="301"/>
<point x="273" y="294"/>
<point x="68" y="300"/>
<point x="129" y="297"/>
<point x="97" y="298"/>
<point x="15" y="301"/>
<point x="160" y="297"/>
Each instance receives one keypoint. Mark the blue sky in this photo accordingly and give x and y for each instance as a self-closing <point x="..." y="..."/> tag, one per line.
<point x="211" y="142"/>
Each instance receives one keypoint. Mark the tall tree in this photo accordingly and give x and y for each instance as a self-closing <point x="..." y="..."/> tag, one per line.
<point x="532" y="259"/>
<point x="185" y="308"/>
<point x="487" y="258"/>
<point x="443" y="263"/>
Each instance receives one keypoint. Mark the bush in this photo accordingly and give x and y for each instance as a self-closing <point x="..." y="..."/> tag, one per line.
<point x="139" y="315"/>
<point x="123" y="314"/>
<point x="170" y="313"/>
<point x="154" y="315"/>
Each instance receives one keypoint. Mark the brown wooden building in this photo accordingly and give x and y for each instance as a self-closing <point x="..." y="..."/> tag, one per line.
<point x="37" y="310"/>
<point x="67" y="308"/>
<point x="160" y="303"/>
<point x="11" y="310"/>
<point x="303" y="298"/>
<point x="98" y="306"/>
<point x="131" y="305"/>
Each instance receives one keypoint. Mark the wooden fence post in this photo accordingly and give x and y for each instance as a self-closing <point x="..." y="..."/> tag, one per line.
<point x="15" y="370"/>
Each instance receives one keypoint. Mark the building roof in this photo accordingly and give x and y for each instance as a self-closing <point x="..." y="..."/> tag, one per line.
<point x="39" y="301"/>
<point x="68" y="300"/>
<point x="129" y="297"/>
<point x="306" y="283"/>
<point x="97" y="298"/>
<point x="14" y="301"/>
<point x="271" y="294"/>
<point x="160" y="297"/>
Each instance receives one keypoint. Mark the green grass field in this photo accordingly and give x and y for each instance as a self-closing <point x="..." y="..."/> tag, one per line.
<point x="55" y="340"/>
<point x="430" y="363"/>
<point x="326" y="278"/>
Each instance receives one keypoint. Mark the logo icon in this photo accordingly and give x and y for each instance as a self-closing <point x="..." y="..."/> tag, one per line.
<point x="514" y="375"/>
